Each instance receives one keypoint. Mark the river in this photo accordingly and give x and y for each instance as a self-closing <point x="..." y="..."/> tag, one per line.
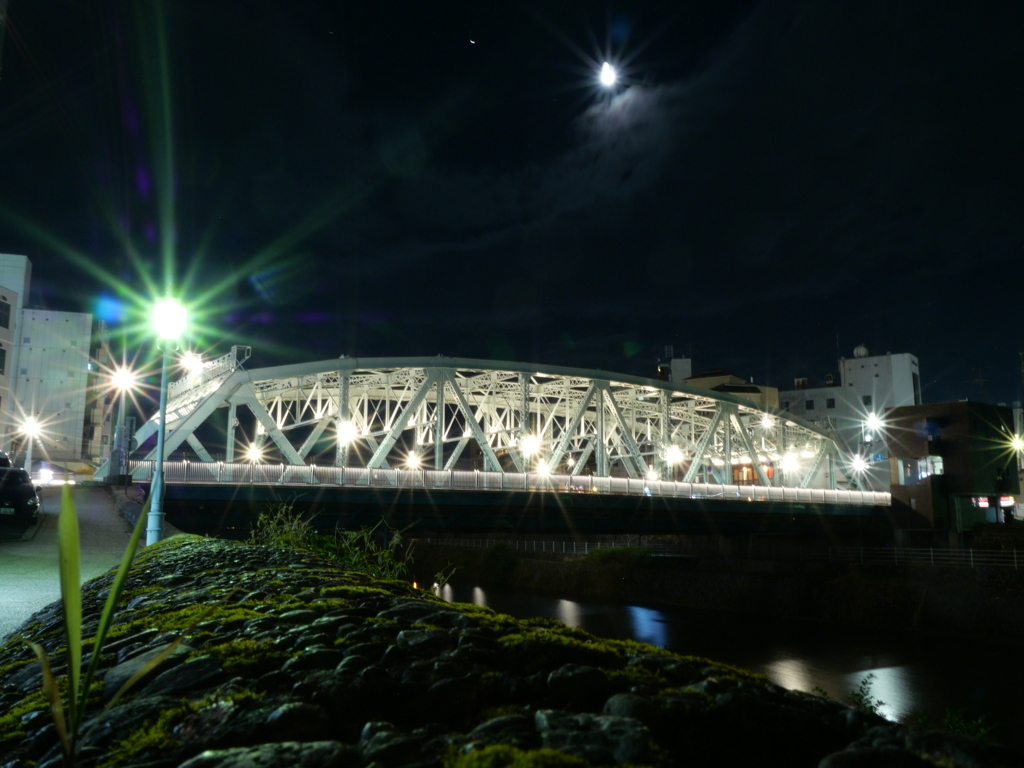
<point x="912" y="672"/>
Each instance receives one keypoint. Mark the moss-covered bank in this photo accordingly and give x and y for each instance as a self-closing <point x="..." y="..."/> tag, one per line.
<point x="288" y="660"/>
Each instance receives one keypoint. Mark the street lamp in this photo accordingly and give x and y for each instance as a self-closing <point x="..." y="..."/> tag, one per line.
<point x="123" y="380"/>
<point x="169" y="319"/>
<point x="30" y="427"/>
<point x="608" y="76"/>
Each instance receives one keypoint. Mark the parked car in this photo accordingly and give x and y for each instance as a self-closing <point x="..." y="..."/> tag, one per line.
<point x="19" y="500"/>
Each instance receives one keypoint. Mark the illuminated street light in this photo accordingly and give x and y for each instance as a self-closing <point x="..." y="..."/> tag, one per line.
<point x="767" y="421"/>
<point x="531" y="445"/>
<point x="652" y="474"/>
<point x="192" y="362"/>
<point x="31" y="429"/>
<point x="123" y="380"/>
<point x="790" y="462"/>
<point x="253" y="453"/>
<point x="347" y="432"/>
<point x="413" y="460"/>
<point x="859" y="464"/>
<point x="169" y="319"/>
<point x="674" y="455"/>
<point x="1017" y="443"/>
<point x="608" y="76"/>
<point x="543" y="468"/>
<point x="873" y="422"/>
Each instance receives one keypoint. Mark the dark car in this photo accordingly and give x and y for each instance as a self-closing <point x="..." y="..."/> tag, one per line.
<point x="19" y="502"/>
<point x="5" y="460"/>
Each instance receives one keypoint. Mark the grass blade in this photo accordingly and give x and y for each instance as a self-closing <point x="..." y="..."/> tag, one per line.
<point x="71" y="597"/>
<point x="112" y="600"/>
<point x="53" y="695"/>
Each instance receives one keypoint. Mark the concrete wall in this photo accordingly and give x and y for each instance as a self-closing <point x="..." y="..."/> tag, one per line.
<point x="53" y="378"/>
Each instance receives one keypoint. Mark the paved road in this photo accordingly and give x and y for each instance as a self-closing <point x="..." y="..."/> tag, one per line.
<point x="29" y="576"/>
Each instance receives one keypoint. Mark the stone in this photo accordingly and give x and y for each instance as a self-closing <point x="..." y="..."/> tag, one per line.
<point x="517" y="730"/>
<point x="312" y="754"/>
<point x="371" y="651"/>
<point x="299" y="616"/>
<point x="382" y="742"/>
<point x="579" y="686"/>
<point x="314" y="658"/>
<point x="420" y="640"/>
<point x="352" y="664"/>
<point x="117" y="676"/>
<point x="200" y="672"/>
<point x="597" y="738"/>
<point x="298" y="721"/>
<point x="630" y="705"/>
<point x="882" y="757"/>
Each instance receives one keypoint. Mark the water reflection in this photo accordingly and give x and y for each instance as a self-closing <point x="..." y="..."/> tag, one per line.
<point x="446" y="592"/>
<point x="794" y="674"/>
<point x="891" y="685"/>
<point x="648" y="625"/>
<point x="569" y="613"/>
<point x="912" y="673"/>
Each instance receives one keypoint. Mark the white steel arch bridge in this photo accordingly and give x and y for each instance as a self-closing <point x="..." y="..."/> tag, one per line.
<point x="424" y="413"/>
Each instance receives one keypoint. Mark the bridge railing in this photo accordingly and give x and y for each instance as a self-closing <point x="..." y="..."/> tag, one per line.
<point x="197" y="472"/>
<point x="283" y="474"/>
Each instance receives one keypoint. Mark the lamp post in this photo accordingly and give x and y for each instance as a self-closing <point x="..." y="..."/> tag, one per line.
<point x="123" y="380"/>
<point x="169" y="319"/>
<point x="31" y="430"/>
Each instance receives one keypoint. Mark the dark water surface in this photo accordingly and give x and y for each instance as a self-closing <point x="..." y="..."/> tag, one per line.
<point x="913" y="672"/>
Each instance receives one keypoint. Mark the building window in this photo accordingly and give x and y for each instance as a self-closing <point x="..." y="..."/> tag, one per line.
<point x="785" y="405"/>
<point x="917" y="388"/>
<point x="867" y="400"/>
<point x="809" y="405"/>
<point x="830" y="402"/>
<point x="3" y="361"/>
<point x="5" y="314"/>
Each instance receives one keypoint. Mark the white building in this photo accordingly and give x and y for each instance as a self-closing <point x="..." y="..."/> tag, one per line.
<point x="45" y="373"/>
<point x="866" y="388"/>
<point x="8" y="335"/>
<point x="53" y="375"/>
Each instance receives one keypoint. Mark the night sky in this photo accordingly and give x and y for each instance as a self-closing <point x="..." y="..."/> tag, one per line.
<point x="771" y="183"/>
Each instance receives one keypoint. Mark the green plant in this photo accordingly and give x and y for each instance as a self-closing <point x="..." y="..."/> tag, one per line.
<point x="958" y="721"/>
<point x="443" y="576"/>
<point x="68" y="719"/>
<point x="280" y="525"/>
<point x="862" y="698"/>
<point x="81" y="689"/>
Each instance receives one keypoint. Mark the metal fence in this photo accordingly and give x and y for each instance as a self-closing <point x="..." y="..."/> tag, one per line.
<point x="283" y="474"/>
<point x="708" y="547"/>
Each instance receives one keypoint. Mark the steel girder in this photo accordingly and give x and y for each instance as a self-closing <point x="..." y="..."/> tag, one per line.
<point x="519" y="417"/>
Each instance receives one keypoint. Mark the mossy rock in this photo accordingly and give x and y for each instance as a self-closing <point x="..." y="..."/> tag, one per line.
<point x="503" y="756"/>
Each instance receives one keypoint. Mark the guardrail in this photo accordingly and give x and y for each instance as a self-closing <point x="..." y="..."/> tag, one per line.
<point x="959" y="558"/>
<point x="212" y="473"/>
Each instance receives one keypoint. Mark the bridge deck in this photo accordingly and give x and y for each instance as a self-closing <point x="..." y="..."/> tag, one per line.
<point x="220" y="507"/>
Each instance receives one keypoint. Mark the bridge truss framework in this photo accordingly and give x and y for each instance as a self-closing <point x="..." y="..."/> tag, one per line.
<point x="382" y="413"/>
